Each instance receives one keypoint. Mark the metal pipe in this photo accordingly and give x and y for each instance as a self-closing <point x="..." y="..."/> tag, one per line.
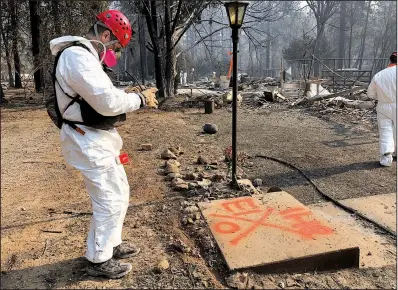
<point x="235" y="39"/>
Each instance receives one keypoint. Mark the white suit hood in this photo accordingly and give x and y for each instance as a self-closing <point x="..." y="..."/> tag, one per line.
<point x="58" y="43"/>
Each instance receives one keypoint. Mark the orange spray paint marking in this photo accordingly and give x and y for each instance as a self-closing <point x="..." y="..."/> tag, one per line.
<point x="252" y="228"/>
<point x="240" y="205"/>
<point x="233" y="227"/>
<point x="301" y="227"/>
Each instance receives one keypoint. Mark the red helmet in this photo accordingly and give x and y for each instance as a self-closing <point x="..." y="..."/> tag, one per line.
<point x="118" y="24"/>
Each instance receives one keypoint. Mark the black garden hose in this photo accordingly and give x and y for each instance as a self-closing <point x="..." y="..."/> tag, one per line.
<point x="328" y="197"/>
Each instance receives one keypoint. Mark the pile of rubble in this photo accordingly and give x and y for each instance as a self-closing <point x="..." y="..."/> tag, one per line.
<point x="266" y="92"/>
<point x="207" y="181"/>
<point x="258" y="85"/>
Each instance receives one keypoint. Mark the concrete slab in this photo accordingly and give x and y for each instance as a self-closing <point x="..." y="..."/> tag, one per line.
<point x="380" y="208"/>
<point x="276" y="233"/>
<point x="376" y="250"/>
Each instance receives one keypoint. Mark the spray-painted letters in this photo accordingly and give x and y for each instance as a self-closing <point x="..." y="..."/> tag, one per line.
<point x="296" y="220"/>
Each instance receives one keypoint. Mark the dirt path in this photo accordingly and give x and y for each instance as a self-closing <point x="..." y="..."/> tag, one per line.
<point x="37" y="187"/>
<point x="342" y="158"/>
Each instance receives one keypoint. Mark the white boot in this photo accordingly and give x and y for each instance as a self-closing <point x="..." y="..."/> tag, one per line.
<point x="386" y="159"/>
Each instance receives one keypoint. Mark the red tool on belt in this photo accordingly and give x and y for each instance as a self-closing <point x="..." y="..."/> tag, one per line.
<point x="123" y="158"/>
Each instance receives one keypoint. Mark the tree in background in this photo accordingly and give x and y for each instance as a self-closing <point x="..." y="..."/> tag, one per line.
<point x="198" y="36"/>
<point x="298" y="48"/>
<point x="342" y="32"/>
<point x="167" y="21"/>
<point x="73" y="18"/>
<point x="28" y="26"/>
<point x="35" y="32"/>
<point x="6" y="32"/>
<point x="14" y="12"/>
<point x="323" y="11"/>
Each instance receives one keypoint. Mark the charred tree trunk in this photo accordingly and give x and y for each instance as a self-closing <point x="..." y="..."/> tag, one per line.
<point x="317" y="49"/>
<point x="268" y="50"/>
<point x="143" y="55"/>
<point x="350" y="48"/>
<point x="8" y="57"/>
<point x="9" y="69"/>
<point x="343" y="12"/>
<point x="250" y="66"/>
<point x="57" y="23"/>
<point x="323" y="11"/>
<point x="385" y="46"/>
<point x="152" y="23"/>
<point x="1" y="93"/>
<point x="17" y="65"/>
<point x="165" y="39"/>
<point x="362" y="48"/>
<point x="14" y="25"/>
<point x="170" y="62"/>
<point x="350" y="39"/>
<point x="35" y="30"/>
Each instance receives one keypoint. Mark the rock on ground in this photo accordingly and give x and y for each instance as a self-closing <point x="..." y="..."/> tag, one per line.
<point x="171" y="176"/>
<point x="146" y="147"/>
<point x="217" y="177"/>
<point x="163" y="265"/>
<point x="191" y="209"/>
<point x="167" y="154"/>
<point x="237" y="280"/>
<point x="205" y="183"/>
<point x="176" y="150"/>
<point x="203" y="160"/>
<point x="210" y="128"/>
<point x="179" y="184"/>
<point x="191" y="176"/>
<point x="172" y="162"/>
<point x="257" y="182"/>
<point x="247" y="185"/>
<point x="171" y="168"/>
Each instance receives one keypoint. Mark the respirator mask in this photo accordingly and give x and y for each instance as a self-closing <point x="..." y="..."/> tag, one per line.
<point x="108" y="56"/>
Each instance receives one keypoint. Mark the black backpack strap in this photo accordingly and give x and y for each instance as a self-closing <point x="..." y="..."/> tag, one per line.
<point x="73" y="125"/>
<point x="75" y="43"/>
<point x="74" y="99"/>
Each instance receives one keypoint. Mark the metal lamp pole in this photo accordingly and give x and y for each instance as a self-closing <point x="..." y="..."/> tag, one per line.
<point x="236" y="12"/>
<point x="235" y="39"/>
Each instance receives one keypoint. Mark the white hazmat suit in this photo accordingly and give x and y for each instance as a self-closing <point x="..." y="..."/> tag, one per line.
<point x="384" y="88"/>
<point x="94" y="154"/>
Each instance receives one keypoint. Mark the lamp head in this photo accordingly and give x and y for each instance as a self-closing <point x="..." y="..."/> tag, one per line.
<point x="236" y="13"/>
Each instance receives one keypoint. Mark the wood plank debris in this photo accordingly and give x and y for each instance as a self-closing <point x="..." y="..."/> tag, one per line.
<point x="329" y="96"/>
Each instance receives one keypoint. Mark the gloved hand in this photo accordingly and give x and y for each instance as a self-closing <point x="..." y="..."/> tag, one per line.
<point x="136" y="89"/>
<point x="150" y="97"/>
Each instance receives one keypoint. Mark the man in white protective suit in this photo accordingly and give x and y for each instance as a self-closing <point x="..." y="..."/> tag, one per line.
<point x="82" y="85"/>
<point x="384" y="88"/>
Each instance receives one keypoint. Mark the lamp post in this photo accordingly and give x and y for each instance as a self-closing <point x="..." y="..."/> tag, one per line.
<point x="236" y="12"/>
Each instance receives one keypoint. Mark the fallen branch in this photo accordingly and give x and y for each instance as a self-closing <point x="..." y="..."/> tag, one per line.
<point x="52" y="231"/>
<point x="352" y="103"/>
<point x="45" y="248"/>
<point x="76" y="213"/>
<point x="46" y="162"/>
